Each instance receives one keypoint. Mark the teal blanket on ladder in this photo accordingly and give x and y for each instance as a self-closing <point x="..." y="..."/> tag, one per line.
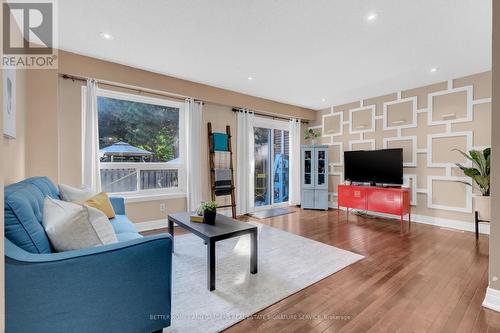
<point x="220" y="141"/>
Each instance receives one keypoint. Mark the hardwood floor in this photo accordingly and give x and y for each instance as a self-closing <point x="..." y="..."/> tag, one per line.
<point x="426" y="279"/>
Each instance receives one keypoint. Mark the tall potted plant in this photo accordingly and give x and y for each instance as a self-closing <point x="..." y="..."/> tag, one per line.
<point x="480" y="174"/>
<point x="311" y="134"/>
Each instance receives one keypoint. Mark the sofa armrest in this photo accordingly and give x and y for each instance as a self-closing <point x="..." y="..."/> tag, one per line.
<point x="118" y="204"/>
<point x="121" y="287"/>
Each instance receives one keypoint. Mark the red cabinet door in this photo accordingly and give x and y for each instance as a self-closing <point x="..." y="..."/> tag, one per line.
<point x="352" y="196"/>
<point x="384" y="201"/>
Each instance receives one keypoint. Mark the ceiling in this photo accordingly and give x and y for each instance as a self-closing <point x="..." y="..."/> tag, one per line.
<point x="311" y="53"/>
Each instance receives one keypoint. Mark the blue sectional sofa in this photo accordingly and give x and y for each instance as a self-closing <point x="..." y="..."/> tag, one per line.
<point x="122" y="287"/>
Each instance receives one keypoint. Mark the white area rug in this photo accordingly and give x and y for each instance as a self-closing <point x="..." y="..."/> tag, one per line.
<point x="287" y="264"/>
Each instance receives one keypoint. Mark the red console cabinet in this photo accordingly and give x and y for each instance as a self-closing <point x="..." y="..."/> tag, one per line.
<point x="388" y="200"/>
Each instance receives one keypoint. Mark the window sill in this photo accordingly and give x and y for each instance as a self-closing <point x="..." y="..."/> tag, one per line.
<point x="151" y="197"/>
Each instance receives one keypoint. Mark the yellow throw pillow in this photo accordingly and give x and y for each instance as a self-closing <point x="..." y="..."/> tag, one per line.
<point x="101" y="201"/>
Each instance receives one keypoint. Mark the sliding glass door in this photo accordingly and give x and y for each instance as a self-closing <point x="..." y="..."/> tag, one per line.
<point x="271" y="156"/>
<point x="262" y="173"/>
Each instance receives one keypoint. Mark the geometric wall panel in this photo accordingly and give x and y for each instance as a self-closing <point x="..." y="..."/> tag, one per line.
<point x="481" y="126"/>
<point x="450" y="106"/>
<point x="333" y="124"/>
<point x="325" y="140"/>
<point x="335" y="154"/>
<point x="410" y="181"/>
<point x="446" y="192"/>
<point x="428" y="123"/>
<point x="379" y="101"/>
<point x="440" y="148"/>
<point x="400" y="114"/>
<point x="334" y="181"/>
<point x="409" y="145"/>
<point x="362" y="120"/>
<point x="362" y="144"/>
<point x="422" y="171"/>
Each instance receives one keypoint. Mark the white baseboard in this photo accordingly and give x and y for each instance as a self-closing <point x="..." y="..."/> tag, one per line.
<point x="492" y="299"/>
<point x="151" y="225"/>
<point x="163" y="223"/>
<point x="484" y="228"/>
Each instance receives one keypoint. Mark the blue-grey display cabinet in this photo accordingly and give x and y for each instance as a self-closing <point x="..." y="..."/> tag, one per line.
<point x="314" y="177"/>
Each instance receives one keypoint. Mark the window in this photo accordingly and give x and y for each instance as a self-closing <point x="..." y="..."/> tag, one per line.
<point x="140" y="144"/>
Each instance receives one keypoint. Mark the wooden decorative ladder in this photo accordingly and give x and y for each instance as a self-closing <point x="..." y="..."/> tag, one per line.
<point x="216" y="144"/>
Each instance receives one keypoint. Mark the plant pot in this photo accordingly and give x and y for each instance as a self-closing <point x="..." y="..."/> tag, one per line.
<point x="313" y="142"/>
<point x="209" y="217"/>
<point x="482" y="204"/>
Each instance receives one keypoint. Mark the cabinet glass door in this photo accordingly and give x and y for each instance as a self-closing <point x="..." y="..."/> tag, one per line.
<point x="308" y="167"/>
<point x="321" y="167"/>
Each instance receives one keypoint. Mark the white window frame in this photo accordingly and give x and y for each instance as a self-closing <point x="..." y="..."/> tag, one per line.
<point x="140" y="195"/>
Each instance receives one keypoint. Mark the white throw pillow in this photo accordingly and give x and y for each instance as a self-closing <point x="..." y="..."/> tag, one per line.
<point x="74" y="194"/>
<point x="70" y="226"/>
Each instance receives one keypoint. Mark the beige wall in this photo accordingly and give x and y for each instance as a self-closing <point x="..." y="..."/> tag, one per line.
<point x="42" y="140"/>
<point x="53" y="120"/>
<point x="15" y="149"/>
<point x="413" y="133"/>
<point x="494" y="258"/>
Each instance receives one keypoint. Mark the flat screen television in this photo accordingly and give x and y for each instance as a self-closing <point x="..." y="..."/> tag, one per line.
<point x="383" y="166"/>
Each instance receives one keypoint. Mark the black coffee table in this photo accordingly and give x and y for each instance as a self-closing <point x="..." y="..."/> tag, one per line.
<point x="224" y="228"/>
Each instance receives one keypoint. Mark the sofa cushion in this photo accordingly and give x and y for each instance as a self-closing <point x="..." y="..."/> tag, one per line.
<point x="125" y="236"/>
<point x="74" y="194"/>
<point x="70" y="226"/>
<point x="24" y="215"/>
<point x="45" y="185"/>
<point x="24" y="212"/>
<point x="124" y="228"/>
<point x="101" y="201"/>
<point x="122" y="224"/>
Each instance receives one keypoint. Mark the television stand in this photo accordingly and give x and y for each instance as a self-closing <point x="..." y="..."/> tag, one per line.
<point x="388" y="200"/>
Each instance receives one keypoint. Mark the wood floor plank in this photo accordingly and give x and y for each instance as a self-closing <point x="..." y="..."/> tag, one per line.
<point x="425" y="279"/>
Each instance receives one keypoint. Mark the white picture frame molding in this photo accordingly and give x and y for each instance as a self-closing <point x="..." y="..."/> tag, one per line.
<point x="413" y="124"/>
<point x="430" y="137"/>
<point x="341" y="124"/>
<point x="370" y="141"/>
<point x="468" y="194"/>
<point x="413" y="139"/>
<point x="360" y="109"/>
<point x="469" y="116"/>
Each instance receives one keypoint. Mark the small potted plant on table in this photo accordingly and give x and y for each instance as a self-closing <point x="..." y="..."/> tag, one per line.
<point x="209" y="210"/>
<point x="480" y="174"/>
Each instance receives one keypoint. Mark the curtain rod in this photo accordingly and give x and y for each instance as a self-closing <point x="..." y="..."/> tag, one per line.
<point x="127" y="86"/>
<point x="271" y="115"/>
<point x="164" y="94"/>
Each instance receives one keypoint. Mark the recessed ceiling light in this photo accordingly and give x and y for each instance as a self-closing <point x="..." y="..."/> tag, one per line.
<point x="371" y="16"/>
<point x="323" y="99"/>
<point x="434" y="69"/>
<point x="106" y="36"/>
<point x="250" y="78"/>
